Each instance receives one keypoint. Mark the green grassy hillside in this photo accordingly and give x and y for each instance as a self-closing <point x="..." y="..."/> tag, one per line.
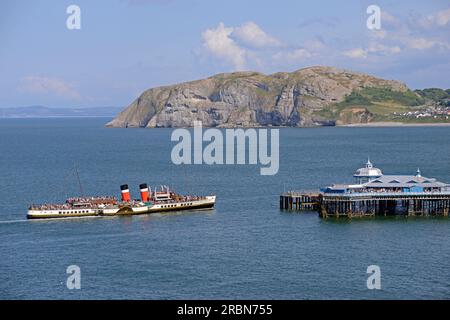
<point x="387" y="105"/>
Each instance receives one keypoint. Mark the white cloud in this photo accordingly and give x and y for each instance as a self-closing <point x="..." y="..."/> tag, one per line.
<point x="46" y="85"/>
<point x="398" y="35"/>
<point x="420" y="43"/>
<point x="378" y="34"/>
<point x="248" y="45"/>
<point x="389" y="20"/>
<point x="375" y="48"/>
<point x="357" y="53"/>
<point x="424" y="43"/>
<point x="383" y="49"/>
<point x="423" y="33"/>
<point x="443" y="17"/>
<point x="297" y="55"/>
<point x="218" y="42"/>
<point x="239" y="45"/>
<point x="252" y="35"/>
<point x="440" y="18"/>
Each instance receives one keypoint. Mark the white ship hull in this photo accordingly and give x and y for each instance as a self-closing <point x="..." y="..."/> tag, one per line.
<point x="64" y="213"/>
<point x="205" y="203"/>
<point x="208" y="202"/>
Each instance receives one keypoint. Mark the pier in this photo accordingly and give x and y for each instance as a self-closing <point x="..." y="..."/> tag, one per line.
<point x="368" y="204"/>
<point x="374" y="194"/>
<point x="308" y="201"/>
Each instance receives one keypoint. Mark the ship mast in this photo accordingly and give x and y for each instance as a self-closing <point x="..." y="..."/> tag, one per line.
<point x="79" y="182"/>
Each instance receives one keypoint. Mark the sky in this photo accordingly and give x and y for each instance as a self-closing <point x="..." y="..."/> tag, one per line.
<point x="124" y="47"/>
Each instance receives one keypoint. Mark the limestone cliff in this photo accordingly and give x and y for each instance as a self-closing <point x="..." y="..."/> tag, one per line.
<point x="306" y="97"/>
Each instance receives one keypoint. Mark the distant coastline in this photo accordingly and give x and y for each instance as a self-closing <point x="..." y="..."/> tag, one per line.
<point x="53" y="117"/>
<point x="58" y="112"/>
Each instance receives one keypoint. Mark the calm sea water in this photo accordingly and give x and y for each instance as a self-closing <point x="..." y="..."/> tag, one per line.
<point x="245" y="248"/>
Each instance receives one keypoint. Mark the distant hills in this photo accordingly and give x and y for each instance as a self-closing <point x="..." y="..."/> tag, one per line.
<point x="49" y="112"/>
<point x="313" y="96"/>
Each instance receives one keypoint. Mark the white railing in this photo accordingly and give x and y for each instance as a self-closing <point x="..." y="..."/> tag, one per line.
<point x="374" y="194"/>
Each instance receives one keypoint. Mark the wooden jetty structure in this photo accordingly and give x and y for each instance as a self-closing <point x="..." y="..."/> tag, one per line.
<point x="295" y="200"/>
<point x="374" y="194"/>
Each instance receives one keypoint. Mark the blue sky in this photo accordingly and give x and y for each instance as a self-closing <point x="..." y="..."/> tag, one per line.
<point x="127" y="46"/>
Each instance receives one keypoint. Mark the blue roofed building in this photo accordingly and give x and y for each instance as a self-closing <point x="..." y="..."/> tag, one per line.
<point x="372" y="180"/>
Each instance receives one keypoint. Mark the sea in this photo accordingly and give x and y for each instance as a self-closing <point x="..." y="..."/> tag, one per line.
<point x="246" y="248"/>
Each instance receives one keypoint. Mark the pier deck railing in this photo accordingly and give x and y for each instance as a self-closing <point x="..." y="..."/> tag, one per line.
<point x="384" y="195"/>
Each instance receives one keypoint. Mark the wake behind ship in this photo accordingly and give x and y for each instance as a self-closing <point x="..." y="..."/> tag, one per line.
<point x="151" y="201"/>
